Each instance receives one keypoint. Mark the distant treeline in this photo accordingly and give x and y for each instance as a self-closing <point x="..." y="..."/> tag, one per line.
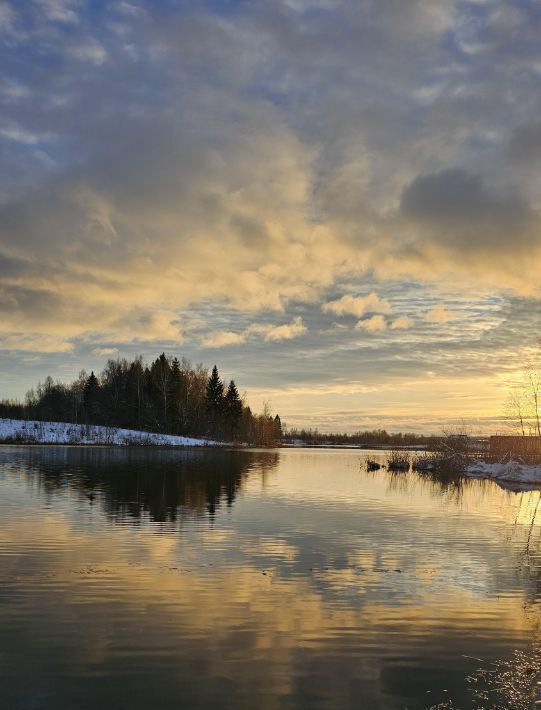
<point x="377" y="437"/>
<point x="169" y="396"/>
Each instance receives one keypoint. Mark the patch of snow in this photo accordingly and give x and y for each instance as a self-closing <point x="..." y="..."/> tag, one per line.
<point x="510" y="471"/>
<point x="63" y="433"/>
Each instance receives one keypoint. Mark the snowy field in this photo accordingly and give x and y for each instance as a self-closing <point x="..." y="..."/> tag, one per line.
<point x="61" y="433"/>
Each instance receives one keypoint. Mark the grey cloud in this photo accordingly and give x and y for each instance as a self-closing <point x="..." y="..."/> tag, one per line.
<point x="60" y="10"/>
<point x="10" y="266"/>
<point x="525" y="143"/>
<point x="465" y="208"/>
<point x="34" y="303"/>
<point x="172" y="209"/>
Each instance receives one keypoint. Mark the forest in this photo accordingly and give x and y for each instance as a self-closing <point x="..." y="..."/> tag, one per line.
<point x="168" y="396"/>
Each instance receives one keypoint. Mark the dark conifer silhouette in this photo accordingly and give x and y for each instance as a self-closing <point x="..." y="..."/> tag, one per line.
<point x="232" y="410"/>
<point x="160" y="372"/>
<point x="175" y="398"/>
<point x="91" y="396"/>
<point x="215" y="402"/>
<point x="277" y="427"/>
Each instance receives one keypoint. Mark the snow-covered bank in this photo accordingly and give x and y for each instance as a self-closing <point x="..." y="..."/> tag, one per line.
<point x="511" y="471"/>
<point x="61" y="433"/>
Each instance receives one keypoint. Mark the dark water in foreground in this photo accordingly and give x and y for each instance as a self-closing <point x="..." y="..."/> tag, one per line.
<point x="280" y="579"/>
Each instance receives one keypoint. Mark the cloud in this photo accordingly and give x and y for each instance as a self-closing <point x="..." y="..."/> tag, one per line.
<point x="223" y="338"/>
<point x="126" y="8"/>
<point x="14" y="132"/>
<point x="60" y="10"/>
<point x="357" y="305"/>
<point x="105" y="352"/>
<point x="455" y="225"/>
<point x="34" y="342"/>
<point x="375" y="324"/>
<point x="468" y="212"/>
<point x="209" y="181"/>
<point x="525" y="143"/>
<point x="402" y="323"/>
<point x="8" y="18"/>
<point x="288" y="331"/>
<point x="163" y="219"/>
<point x="150" y="326"/>
<point x="89" y="50"/>
<point x="13" y="89"/>
<point x="10" y="267"/>
<point x="439" y="314"/>
<point x="269" y="333"/>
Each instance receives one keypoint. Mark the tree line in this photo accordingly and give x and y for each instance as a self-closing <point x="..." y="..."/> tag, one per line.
<point x="377" y="437"/>
<point x="168" y="396"/>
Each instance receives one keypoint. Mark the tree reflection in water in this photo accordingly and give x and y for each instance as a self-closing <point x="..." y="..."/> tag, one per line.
<point x="152" y="484"/>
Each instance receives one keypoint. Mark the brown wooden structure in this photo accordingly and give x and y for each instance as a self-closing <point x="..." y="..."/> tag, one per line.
<point x="518" y="448"/>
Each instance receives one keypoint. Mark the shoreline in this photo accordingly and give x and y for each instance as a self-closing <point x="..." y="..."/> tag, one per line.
<point x="47" y="433"/>
<point x="104" y="445"/>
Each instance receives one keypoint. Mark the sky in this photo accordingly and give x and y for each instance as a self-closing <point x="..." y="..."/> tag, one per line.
<point x="335" y="201"/>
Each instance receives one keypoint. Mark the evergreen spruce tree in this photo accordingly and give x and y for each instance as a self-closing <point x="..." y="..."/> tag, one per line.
<point x="233" y="409"/>
<point x="135" y="393"/>
<point x="150" y="412"/>
<point x="277" y="428"/>
<point x="91" y="394"/>
<point x="214" y="400"/>
<point x="247" y="426"/>
<point x="174" y="399"/>
<point x="161" y="376"/>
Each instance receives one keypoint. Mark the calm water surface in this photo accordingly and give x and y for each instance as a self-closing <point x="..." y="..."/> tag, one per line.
<point x="278" y="579"/>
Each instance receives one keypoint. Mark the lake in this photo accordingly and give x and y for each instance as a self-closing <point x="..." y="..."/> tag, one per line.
<point x="147" y="578"/>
